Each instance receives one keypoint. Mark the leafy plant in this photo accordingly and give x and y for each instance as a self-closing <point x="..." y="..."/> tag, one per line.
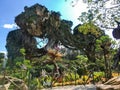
<point x="98" y="76"/>
<point x="71" y="77"/>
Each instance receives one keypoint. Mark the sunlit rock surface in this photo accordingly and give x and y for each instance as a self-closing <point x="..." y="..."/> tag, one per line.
<point x="37" y="21"/>
<point x="112" y="84"/>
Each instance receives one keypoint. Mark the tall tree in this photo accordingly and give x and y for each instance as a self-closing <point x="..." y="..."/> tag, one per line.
<point x="104" y="52"/>
<point x="86" y="36"/>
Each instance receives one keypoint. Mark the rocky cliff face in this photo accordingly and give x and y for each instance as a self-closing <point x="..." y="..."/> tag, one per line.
<point x="37" y="21"/>
<point x="32" y="19"/>
<point x="16" y="40"/>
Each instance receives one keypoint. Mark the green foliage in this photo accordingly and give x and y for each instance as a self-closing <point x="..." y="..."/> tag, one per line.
<point x="81" y="71"/>
<point x="82" y="59"/>
<point x="105" y="41"/>
<point x="71" y="77"/>
<point x="61" y="66"/>
<point x="46" y="81"/>
<point x="84" y="78"/>
<point x="48" y="68"/>
<point x="2" y="55"/>
<point x="19" y="61"/>
<point x="87" y="34"/>
<point x="22" y="51"/>
<point x="98" y="76"/>
<point x="79" y="65"/>
<point x="27" y="64"/>
<point x="35" y="84"/>
<point x="86" y="17"/>
<point x="90" y="28"/>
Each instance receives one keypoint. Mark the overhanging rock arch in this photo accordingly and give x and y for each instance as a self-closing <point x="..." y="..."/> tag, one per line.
<point x="38" y="21"/>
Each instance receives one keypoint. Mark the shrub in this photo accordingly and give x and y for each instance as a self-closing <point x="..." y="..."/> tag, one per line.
<point x="70" y="77"/>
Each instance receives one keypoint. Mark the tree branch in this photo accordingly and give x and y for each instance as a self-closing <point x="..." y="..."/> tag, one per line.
<point x="114" y="6"/>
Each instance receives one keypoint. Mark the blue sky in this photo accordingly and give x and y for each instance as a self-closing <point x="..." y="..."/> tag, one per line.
<point x="11" y="8"/>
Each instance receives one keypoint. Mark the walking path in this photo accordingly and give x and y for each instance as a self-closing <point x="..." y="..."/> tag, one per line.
<point x="77" y="87"/>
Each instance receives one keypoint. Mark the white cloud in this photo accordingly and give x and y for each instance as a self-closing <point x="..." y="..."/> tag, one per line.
<point x="4" y="53"/>
<point x="9" y="26"/>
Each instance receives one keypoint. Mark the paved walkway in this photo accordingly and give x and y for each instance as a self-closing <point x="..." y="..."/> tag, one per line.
<point x="77" y="87"/>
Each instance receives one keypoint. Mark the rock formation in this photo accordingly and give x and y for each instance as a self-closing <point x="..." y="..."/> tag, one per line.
<point x="37" y="21"/>
<point x="32" y="20"/>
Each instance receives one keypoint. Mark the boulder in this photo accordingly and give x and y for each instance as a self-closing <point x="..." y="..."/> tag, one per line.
<point x="112" y="84"/>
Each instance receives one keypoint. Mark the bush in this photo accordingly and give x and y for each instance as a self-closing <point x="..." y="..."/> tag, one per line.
<point x="70" y="77"/>
<point x="98" y="76"/>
